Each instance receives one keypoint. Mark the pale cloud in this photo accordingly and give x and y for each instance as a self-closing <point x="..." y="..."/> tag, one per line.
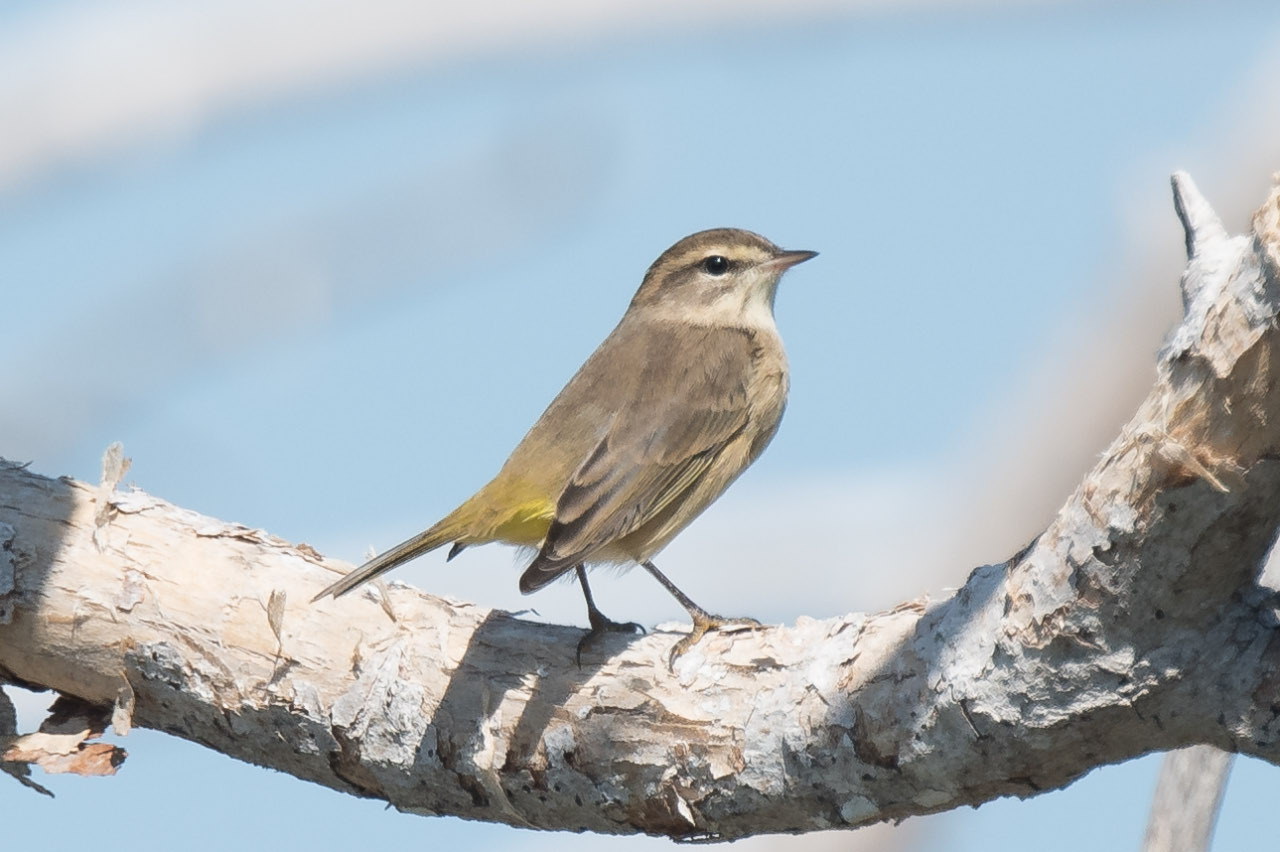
<point x="84" y="80"/>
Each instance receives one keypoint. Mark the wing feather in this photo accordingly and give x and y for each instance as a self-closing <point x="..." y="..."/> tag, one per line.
<point x="690" y="403"/>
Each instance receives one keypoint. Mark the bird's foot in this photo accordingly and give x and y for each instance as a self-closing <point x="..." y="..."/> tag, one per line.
<point x="704" y="623"/>
<point x="602" y="626"/>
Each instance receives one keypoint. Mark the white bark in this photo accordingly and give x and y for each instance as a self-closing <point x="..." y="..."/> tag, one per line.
<point x="1133" y="623"/>
<point x="1188" y="796"/>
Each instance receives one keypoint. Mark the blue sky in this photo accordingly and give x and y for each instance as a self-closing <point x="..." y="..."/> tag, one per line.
<point x="331" y="313"/>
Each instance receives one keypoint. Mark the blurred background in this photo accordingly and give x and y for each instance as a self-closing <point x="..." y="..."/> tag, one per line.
<point x="319" y="265"/>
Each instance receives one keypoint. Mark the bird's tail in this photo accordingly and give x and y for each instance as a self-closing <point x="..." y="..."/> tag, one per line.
<point x="441" y="533"/>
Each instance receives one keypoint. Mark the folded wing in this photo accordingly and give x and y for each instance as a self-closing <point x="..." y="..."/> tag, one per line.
<point x="690" y="402"/>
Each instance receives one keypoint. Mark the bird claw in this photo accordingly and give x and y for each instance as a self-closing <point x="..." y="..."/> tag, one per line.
<point x="601" y="626"/>
<point x="704" y="623"/>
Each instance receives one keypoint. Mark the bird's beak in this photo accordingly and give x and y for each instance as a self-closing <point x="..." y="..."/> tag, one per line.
<point x="788" y="259"/>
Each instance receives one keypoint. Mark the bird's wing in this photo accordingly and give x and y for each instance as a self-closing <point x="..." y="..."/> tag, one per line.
<point x="690" y="401"/>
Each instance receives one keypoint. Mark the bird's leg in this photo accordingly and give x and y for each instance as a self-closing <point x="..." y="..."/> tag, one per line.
<point x="600" y="623"/>
<point x="703" y="621"/>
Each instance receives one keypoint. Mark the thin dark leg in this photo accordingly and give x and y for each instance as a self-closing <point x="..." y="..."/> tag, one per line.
<point x="600" y="624"/>
<point x="703" y="621"/>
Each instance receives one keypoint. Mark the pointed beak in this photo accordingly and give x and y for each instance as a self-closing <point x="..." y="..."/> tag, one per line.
<point x="787" y="259"/>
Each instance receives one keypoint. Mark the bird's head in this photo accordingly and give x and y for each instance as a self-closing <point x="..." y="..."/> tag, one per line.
<point x="723" y="276"/>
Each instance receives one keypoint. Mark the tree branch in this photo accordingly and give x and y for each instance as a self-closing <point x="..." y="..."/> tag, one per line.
<point x="1133" y="623"/>
<point x="1188" y="796"/>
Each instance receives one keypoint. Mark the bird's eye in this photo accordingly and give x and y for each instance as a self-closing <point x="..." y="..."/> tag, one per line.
<point x="715" y="265"/>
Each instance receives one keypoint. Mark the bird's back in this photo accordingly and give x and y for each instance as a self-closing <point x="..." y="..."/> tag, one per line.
<point x="626" y="388"/>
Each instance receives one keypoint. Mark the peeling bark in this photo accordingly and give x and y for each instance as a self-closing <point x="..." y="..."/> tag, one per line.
<point x="1133" y="623"/>
<point x="63" y="753"/>
<point x="61" y="745"/>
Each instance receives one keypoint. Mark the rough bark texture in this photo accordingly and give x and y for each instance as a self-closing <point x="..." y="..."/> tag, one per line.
<point x="1133" y="623"/>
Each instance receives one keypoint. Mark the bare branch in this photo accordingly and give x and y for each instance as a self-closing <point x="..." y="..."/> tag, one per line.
<point x="1203" y="229"/>
<point x="1133" y="623"/>
<point x="1188" y="795"/>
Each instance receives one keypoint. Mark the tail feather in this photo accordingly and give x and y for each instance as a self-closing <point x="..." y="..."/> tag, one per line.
<point x="543" y="570"/>
<point x="398" y="555"/>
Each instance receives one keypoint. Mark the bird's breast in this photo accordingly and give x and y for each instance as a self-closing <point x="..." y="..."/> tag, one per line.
<point x="768" y="380"/>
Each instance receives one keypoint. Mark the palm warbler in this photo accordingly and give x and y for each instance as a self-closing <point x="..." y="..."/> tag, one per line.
<point x="676" y="402"/>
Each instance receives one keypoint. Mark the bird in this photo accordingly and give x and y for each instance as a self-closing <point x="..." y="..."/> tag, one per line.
<point x="680" y="398"/>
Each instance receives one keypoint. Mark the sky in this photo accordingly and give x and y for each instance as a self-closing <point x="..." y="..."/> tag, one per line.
<point x="326" y="298"/>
